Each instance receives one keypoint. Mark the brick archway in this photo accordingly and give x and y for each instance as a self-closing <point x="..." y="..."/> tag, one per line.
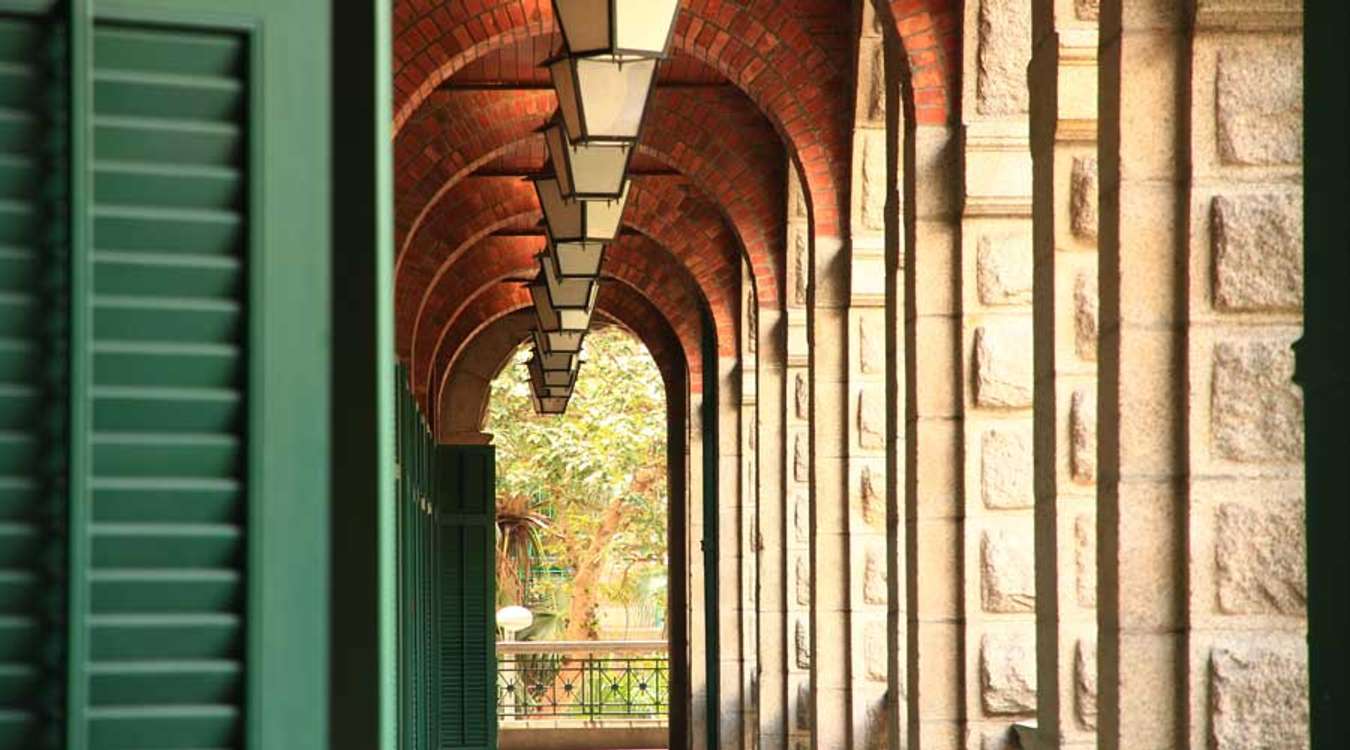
<point x="771" y="56"/>
<point x="463" y="401"/>
<point x="658" y="207"/>
<point x="619" y="300"/>
<point x="715" y="141"/>
<point x="635" y="261"/>
<point x="929" y="33"/>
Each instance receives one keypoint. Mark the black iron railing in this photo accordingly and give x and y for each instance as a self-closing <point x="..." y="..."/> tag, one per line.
<point x="591" y="680"/>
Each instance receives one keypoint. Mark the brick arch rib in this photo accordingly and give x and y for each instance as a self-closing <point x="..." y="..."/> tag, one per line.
<point x="713" y="140"/>
<point x="659" y="207"/>
<point x="635" y="261"/>
<point x="769" y="55"/>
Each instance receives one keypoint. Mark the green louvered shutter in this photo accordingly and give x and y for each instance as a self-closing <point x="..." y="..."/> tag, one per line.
<point x="427" y="603"/>
<point x="33" y="258"/>
<point x="165" y="187"/>
<point x="419" y="609"/>
<point x="169" y="326"/>
<point x="465" y="481"/>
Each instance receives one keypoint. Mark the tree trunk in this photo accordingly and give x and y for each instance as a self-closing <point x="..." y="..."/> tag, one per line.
<point x="590" y="564"/>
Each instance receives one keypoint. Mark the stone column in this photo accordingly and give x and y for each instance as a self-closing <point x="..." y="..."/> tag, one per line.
<point x="868" y="406"/>
<point x="1246" y="579"/>
<point x="1063" y="87"/>
<point x="1203" y="584"/>
<point x="749" y="531"/>
<point x="997" y="498"/>
<point x="697" y="616"/>
<point x="797" y="470"/>
<point x="774" y="527"/>
<point x="828" y="325"/>
<point x="731" y="517"/>
<point x="934" y="669"/>
<point x="892" y="490"/>
<point x="1141" y="386"/>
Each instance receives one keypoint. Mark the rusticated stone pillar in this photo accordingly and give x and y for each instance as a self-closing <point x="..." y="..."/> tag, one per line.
<point x="934" y="667"/>
<point x="1141" y="385"/>
<point x="868" y="398"/>
<point x="749" y="526"/>
<point x="773" y="527"/>
<point x="732" y="615"/>
<point x="1201" y="445"/>
<point x="996" y="383"/>
<point x="1063" y="85"/>
<point x="1247" y="584"/>
<point x="830" y="623"/>
<point x="696" y="617"/>
<point x="797" y="469"/>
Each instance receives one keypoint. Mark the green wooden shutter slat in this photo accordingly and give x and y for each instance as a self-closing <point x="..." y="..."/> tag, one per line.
<point x="168" y="401"/>
<point x="168" y="364"/>
<point x="167" y="185"/>
<point x="169" y="683"/>
<point x="180" y="53"/>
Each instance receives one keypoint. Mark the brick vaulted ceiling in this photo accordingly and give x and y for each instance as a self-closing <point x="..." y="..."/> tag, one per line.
<point x="750" y="85"/>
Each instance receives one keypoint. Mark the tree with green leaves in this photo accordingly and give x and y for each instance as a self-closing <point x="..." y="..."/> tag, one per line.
<point x="585" y="493"/>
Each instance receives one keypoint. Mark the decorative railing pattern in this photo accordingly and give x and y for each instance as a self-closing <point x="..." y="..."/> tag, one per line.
<point x="583" y="680"/>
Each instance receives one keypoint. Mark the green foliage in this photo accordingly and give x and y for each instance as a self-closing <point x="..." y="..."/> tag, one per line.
<point x="607" y="453"/>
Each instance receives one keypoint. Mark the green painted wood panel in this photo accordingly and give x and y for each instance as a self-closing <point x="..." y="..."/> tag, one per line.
<point x="33" y="258"/>
<point x="164" y="364"/>
<point x="465" y="478"/>
<point x="418" y="626"/>
<point x="168" y="398"/>
<point x="200" y="363"/>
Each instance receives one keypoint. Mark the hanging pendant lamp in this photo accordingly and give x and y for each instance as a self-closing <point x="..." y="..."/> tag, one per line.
<point x="557" y="338"/>
<point x="551" y="360"/>
<point x="603" y="97"/>
<point x="578" y="230"/>
<point x="551" y="383"/>
<point x="589" y="170"/>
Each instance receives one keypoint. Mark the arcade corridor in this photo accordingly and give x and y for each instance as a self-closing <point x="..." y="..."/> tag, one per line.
<point x="999" y="342"/>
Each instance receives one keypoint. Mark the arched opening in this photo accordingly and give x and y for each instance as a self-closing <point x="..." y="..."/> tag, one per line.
<point x="583" y="554"/>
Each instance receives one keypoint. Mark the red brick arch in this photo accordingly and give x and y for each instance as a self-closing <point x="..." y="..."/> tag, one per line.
<point x="620" y="301"/>
<point x="635" y="260"/>
<point x="452" y="135"/>
<point x="659" y="207"/>
<point x="721" y="143"/>
<point x="929" y="32"/>
<point x="643" y="263"/>
<point x="770" y="55"/>
<point x="497" y="342"/>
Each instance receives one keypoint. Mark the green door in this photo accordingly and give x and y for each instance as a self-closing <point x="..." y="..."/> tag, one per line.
<point x="466" y="545"/>
<point x="164" y="361"/>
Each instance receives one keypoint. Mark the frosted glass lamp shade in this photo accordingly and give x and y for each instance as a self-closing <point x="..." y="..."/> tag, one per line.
<point x="576" y="260"/>
<point x="588" y="169"/>
<point x="553" y="317"/>
<point x="564" y="342"/>
<point x="550" y="406"/>
<point x="642" y="27"/>
<point x="574" y="293"/>
<point x="602" y="97"/>
<point x="578" y="230"/>
<point x="576" y="220"/>
<point x="549" y="359"/>
<point x="551" y="383"/>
